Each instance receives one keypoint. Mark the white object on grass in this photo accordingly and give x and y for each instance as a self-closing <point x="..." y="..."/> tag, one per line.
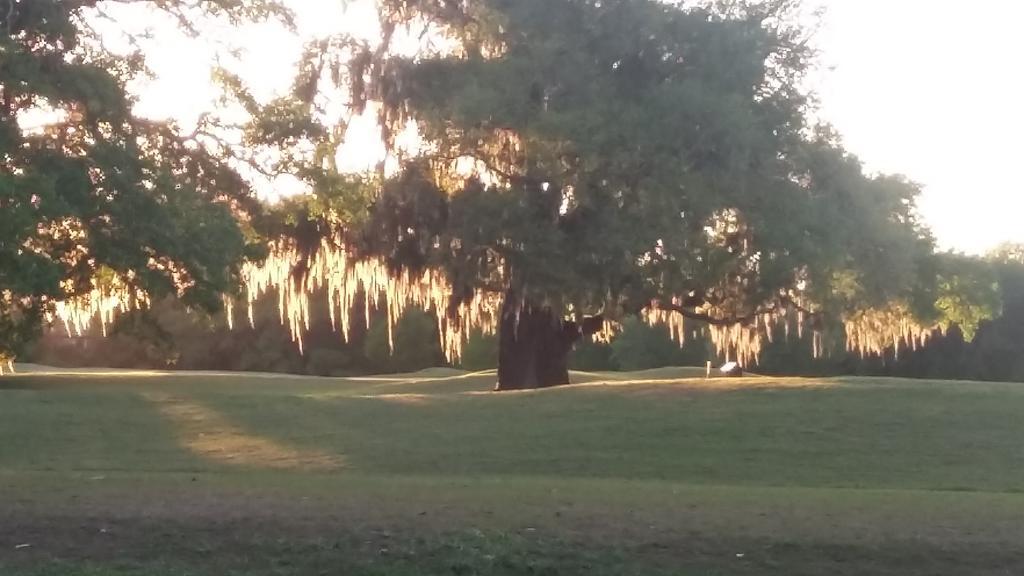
<point x="729" y="367"/>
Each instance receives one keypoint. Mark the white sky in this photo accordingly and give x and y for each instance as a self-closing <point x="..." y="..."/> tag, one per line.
<point x="927" y="88"/>
<point x="933" y="89"/>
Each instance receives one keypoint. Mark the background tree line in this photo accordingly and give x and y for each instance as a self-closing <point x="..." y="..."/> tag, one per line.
<point x="168" y="335"/>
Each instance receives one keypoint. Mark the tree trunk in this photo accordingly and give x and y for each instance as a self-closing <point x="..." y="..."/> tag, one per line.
<point x="534" y="346"/>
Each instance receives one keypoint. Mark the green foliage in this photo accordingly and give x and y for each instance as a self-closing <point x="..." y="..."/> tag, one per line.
<point x="329" y="362"/>
<point x="865" y="247"/>
<point x="641" y="347"/>
<point x="480" y="352"/>
<point x="638" y="346"/>
<point x="416" y="344"/>
<point x="590" y="356"/>
<point x="168" y="335"/>
<point x="97" y="191"/>
<point x="631" y="151"/>
<point x="968" y="293"/>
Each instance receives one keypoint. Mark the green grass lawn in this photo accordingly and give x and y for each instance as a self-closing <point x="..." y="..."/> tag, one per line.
<point x="660" y="472"/>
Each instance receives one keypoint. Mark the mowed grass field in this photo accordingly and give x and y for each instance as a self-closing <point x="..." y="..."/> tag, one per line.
<point x="662" y="472"/>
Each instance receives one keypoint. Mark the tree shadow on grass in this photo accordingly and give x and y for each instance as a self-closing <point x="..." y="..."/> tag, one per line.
<point x="785" y="434"/>
<point x="69" y="428"/>
<point x="211" y="437"/>
<point x="132" y="423"/>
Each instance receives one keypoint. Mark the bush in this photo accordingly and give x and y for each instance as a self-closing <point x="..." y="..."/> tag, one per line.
<point x="328" y="362"/>
<point x="590" y="356"/>
<point x="480" y="352"/>
<point x="417" y="345"/>
<point x="641" y="347"/>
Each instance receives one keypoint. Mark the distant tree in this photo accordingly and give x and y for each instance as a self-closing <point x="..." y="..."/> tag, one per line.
<point x="969" y="291"/>
<point x="997" y="352"/>
<point x="973" y="296"/>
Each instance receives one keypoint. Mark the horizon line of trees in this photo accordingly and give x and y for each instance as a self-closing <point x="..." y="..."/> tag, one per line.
<point x="169" y="336"/>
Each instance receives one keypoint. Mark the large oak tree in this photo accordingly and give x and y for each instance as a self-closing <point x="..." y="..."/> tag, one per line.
<point x="587" y="160"/>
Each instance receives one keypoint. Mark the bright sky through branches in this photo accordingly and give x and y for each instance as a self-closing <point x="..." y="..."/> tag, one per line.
<point x="927" y="88"/>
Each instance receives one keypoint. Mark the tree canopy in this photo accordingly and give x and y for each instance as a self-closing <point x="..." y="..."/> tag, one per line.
<point x="579" y="161"/>
<point x="553" y="167"/>
<point x="98" y="207"/>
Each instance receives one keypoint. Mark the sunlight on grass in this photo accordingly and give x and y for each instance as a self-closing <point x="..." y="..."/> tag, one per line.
<point x="33" y="370"/>
<point x="428" y="375"/>
<point x="409" y="399"/>
<point x="645" y="385"/>
<point x="207" y="434"/>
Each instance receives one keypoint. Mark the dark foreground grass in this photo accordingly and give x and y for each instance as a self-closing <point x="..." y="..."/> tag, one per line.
<point x="200" y="475"/>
